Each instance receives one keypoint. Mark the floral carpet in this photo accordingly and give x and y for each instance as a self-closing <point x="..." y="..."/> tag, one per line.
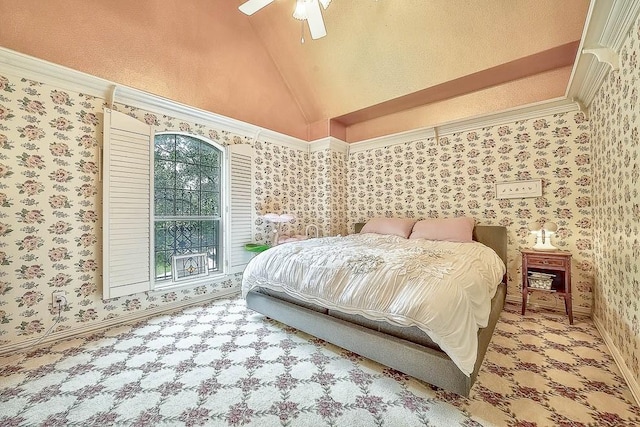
<point x="224" y="365"/>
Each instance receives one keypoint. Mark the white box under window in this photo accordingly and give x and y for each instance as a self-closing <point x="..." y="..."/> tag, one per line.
<point x="189" y="266"/>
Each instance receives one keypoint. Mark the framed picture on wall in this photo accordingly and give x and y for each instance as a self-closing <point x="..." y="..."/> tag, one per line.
<point x="519" y="189"/>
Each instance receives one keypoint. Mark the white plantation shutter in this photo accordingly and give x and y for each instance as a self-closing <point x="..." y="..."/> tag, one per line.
<point x="127" y="206"/>
<point x="240" y="204"/>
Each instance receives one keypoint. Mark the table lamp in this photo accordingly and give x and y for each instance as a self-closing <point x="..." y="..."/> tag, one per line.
<point x="543" y="235"/>
<point x="277" y="220"/>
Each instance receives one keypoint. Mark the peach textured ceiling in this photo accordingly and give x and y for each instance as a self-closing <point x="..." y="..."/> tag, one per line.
<point x="385" y="65"/>
<point x="385" y="52"/>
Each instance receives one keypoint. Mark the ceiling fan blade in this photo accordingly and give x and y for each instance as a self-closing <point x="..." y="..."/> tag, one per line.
<point x="314" y="19"/>
<point x="252" y="6"/>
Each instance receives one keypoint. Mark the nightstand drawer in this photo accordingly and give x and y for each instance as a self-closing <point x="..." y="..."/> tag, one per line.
<point x="545" y="261"/>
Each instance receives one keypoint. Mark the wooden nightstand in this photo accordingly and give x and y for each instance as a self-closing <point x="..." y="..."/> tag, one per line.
<point x="557" y="263"/>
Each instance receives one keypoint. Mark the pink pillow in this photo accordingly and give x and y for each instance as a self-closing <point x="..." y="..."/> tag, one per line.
<point x="448" y="229"/>
<point x="394" y="226"/>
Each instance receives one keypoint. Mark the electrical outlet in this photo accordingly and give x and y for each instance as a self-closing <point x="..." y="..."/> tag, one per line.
<point x="58" y="298"/>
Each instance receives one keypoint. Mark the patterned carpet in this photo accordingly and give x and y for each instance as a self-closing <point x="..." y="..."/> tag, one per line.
<point x="222" y="365"/>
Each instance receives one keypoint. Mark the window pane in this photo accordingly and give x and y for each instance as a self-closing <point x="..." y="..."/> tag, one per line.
<point x="210" y="179"/>
<point x="185" y="237"/>
<point x="209" y="156"/>
<point x="187" y="177"/>
<point x="209" y="205"/>
<point x="187" y="184"/>
<point x="187" y="203"/>
<point x="163" y="251"/>
<point x="165" y="174"/>
<point x="165" y="147"/>
<point x="187" y="149"/>
<point x="164" y="201"/>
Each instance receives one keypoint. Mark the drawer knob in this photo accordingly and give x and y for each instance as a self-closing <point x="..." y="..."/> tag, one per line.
<point x="545" y="262"/>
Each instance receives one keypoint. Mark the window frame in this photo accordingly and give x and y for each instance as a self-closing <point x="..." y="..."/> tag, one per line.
<point x="169" y="283"/>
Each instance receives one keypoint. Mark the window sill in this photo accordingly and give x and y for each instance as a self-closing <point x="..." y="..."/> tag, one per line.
<point x="187" y="284"/>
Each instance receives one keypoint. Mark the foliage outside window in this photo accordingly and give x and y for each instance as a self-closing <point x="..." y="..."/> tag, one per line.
<point x="187" y="188"/>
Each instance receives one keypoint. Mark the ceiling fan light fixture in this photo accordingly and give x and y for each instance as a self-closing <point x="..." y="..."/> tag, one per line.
<point x="300" y="12"/>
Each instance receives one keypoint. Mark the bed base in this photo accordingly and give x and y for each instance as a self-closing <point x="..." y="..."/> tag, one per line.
<point x="424" y="363"/>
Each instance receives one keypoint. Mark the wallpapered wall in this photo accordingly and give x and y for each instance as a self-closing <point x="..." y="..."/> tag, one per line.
<point x="615" y="127"/>
<point x="50" y="196"/>
<point x="455" y="175"/>
<point x="50" y="211"/>
<point x="328" y="191"/>
<point x="338" y="176"/>
<point x="282" y="185"/>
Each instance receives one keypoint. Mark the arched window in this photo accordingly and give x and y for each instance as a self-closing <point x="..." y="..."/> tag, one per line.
<point x="187" y="206"/>
<point x="176" y="207"/>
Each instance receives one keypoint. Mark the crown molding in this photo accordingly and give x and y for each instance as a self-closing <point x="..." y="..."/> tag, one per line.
<point x="526" y="112"/>
<point x="329" y="143"/>
<point x="607" y="26"/>
<point x="621" y="17"/>
<point x="389" y="140"/>
<point x="281" y="139"/>
<point x="530" y="111"/>
<point x="25" y="66"/>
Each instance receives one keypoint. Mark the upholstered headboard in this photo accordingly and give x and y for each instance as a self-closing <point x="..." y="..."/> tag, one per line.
<point x="493" y="236"/>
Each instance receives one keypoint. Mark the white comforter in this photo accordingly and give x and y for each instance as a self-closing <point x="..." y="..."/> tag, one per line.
<point x="443" y="288"/>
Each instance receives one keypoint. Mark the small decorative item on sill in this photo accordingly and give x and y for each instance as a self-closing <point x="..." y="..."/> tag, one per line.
<point x="255" y="247"/>
<point x="543" y="235"/>
<point x="541" y="280"/>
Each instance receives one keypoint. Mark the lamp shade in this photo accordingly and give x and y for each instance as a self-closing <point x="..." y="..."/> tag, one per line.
<point x="543" y="235"/>
<point x="274" y="217"/>
<point x="534" y="226"/>
<point x="271" y="217"/>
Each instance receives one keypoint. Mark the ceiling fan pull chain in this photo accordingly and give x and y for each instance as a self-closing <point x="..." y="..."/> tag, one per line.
<point x="302" y="31"/>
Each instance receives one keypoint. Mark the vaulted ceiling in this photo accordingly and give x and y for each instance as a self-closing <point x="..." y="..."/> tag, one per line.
<point x="385" y="66"/>
<point x="383" y="57"/>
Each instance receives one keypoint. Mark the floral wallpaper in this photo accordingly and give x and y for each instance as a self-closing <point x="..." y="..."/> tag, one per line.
<point x="328" y="191"/>
<point x="282" y="183"/>
<point x="50" y="206"/>
<point x="320" y="191"/>
<point x="455" y="175"/>
<point x="615" y="126"/>
<point x="339" y="213"/>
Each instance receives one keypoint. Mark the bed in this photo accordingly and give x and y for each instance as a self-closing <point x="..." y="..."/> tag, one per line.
<point x="395" y="343"/>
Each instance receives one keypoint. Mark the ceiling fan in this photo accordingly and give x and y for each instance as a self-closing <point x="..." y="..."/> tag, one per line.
<point x="308" y="10"/>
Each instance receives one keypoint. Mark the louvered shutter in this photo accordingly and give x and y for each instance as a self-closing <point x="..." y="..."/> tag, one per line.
<point x="127" y="205"/>
<point x="240" y="222"/>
